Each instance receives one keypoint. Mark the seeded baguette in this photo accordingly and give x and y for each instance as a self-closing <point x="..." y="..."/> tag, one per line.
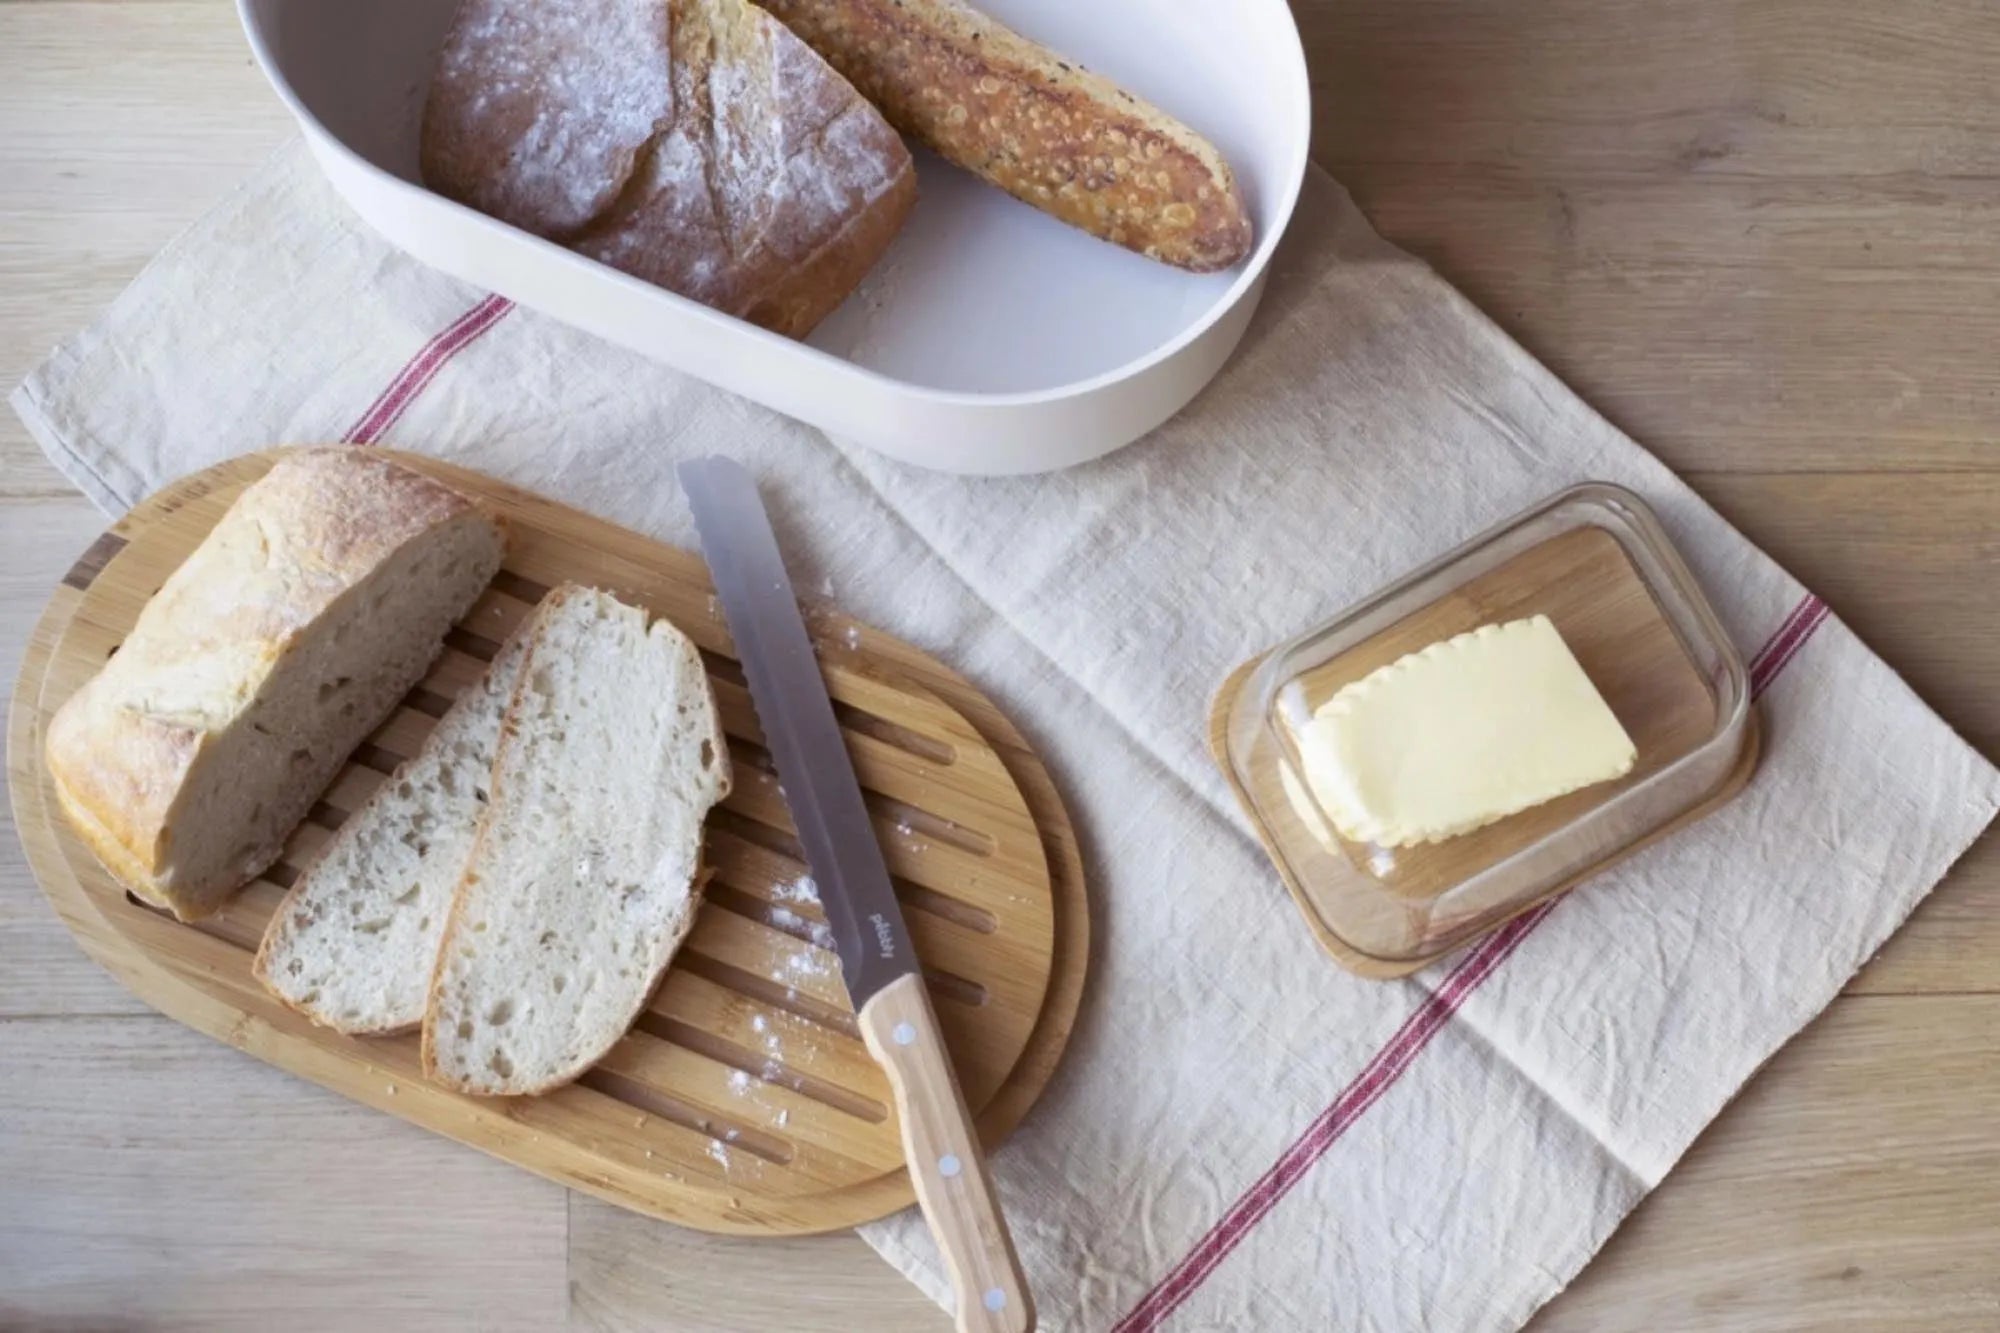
<point x="583" y="878"/>
<point x="1039" y="126"/>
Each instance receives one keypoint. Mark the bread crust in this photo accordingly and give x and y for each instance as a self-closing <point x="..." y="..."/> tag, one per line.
<point x="123" y="748"/>
<point x="796" y="300"/>
<point x="281" y="933"/>
<point x="1039" y="126"/>
<point x="765" y="186"/>
<point x="539" y="112"/>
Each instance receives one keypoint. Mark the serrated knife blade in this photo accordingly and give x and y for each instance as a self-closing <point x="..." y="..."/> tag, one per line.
<point x="877" y="960"/>
<point x="800" y="729"/>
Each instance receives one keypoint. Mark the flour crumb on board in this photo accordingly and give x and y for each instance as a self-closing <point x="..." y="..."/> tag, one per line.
<point x="784" y="1118"/>
<point x="721" y="1154"/>
<point x="774" y="1044"/>
<point x="739" y="1082"/>
<point x="800" y="890"/>
<point x="807" y="966"/>
<point x="785" y="919"/>
<point x="851" y="636"/>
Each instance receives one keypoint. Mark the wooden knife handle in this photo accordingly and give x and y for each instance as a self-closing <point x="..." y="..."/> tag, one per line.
<point x="946" y="1164"/>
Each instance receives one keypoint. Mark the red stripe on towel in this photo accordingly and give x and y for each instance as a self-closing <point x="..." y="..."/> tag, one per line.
<point x="1778" y="655"/>
<point x="1396" y="1056"/>
<point x="1783" y="635"/>
<point x="1377" y="1078"/>
<point x="422" y="368"/>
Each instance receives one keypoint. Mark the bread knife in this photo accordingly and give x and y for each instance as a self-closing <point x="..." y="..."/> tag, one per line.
<point x="880" y="967"/>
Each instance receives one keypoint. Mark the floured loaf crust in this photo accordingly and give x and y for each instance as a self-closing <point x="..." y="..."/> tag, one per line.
<point x="696" y="144"/>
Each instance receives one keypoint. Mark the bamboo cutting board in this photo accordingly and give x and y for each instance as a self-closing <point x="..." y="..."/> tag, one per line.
<point x="743" y="1100"/>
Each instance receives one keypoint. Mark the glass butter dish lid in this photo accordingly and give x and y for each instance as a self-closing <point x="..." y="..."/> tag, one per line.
<point x="1436" y="760"/>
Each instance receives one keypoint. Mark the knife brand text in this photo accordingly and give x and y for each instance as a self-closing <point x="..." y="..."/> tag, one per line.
<point x="884" y="936"/>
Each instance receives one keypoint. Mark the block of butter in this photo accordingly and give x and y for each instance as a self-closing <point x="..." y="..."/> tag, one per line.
<point x="1460" y="734"/>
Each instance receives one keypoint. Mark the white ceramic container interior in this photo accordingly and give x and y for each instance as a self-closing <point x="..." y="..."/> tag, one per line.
<point x="990" y="339"/>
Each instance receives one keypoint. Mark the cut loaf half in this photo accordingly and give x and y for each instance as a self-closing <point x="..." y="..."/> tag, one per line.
<point x="583" y="878"/>
<point x="315" y="603"/>
<point x="353" y="943"/>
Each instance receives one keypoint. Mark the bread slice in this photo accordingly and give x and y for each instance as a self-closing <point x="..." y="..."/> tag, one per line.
<point x="694" y="143"/>
<point x="1039" y="126"/>
<point x="317" y="601"/>
<point x="353" y="944"/>
<point x="582" y="881"/>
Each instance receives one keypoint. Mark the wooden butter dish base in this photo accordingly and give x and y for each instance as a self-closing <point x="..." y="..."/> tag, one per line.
<point x="1377" y="968"/>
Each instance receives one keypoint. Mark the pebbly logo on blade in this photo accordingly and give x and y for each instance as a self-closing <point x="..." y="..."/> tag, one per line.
<point x="883" y="935"/>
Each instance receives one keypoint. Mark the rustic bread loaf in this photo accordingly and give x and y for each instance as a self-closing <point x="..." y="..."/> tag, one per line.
<point x="353" y="943"/>
<point x="582" y="881"/>
<point x="1041" y="127"/>
<point x="694" y="143"/>
<point x="540" y="109"/>
<point x="317" y="601"/>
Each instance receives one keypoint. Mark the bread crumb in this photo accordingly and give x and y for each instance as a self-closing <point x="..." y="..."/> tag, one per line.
<point x="805" y="965"/>
<point x="800" y="890"/>
<point x="785" y="919"/>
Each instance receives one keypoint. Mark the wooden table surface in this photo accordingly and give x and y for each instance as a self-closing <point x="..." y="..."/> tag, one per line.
<point x="1761" y="235"/>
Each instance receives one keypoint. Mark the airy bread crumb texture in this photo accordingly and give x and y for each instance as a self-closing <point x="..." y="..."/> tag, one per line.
<point x="353" y="943"/>
<point x="582" y="882"/>
<point x="284" y="639"/>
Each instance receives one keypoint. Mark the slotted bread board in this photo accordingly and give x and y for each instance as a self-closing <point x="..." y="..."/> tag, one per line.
<point x="743" y="1100"/>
